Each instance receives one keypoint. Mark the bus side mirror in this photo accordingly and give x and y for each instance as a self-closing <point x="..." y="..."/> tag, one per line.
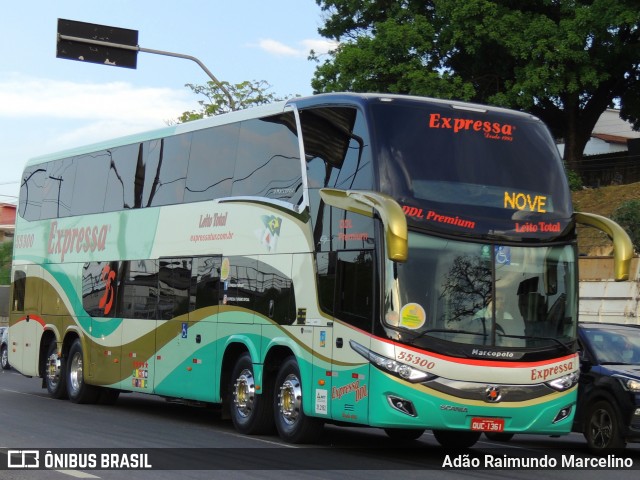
<point x="622" y="245"/>
<point x="365" y="202"/>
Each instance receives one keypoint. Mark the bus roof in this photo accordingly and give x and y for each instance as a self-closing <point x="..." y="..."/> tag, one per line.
<point x="324" y="99"/>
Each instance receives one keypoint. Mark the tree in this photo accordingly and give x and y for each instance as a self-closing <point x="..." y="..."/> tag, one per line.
<point x="565" y="61"/>
<point x="226" y="98"/>
<point x="6" y="251"/>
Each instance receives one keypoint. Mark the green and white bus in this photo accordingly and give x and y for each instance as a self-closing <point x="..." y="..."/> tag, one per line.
<point x="329" y="259"/>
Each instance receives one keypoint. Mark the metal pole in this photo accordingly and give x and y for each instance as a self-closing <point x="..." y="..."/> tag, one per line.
<point x="157" y="52"/>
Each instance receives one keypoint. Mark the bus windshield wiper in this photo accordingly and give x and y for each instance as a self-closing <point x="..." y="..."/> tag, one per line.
<point x="445" y="330"/>
<point x="532" y="337"/>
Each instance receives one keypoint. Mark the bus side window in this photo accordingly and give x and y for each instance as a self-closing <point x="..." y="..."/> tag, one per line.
<point x="19" y="290"/>
<point x="326" y="265"/>
<point x="174" y="279"/>
<point x="90" y="185"/>
<point x="268" y="160"/>
<point x="354" y="288"/>
<point x="205" y="282"/>
<point x="100" y="287"/>
<point x="212" y="159"/>
<point x="345" y="286"/>
<point x="32" y="192"/>
<point x="139" y="289"/>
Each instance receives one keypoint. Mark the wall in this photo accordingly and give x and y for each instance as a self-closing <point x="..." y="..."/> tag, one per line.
<point x="604" y="300"/>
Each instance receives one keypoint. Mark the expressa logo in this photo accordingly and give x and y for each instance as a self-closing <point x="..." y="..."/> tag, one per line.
<point x="78" y="239"/>
<point x="491" y="130"/>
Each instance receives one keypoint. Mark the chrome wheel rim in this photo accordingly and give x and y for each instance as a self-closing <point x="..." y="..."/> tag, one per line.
<point x="290" y="399"/>
<point x="75" y="373"/>
<point x="53" y="370"/>
<point x="244" y="393"/>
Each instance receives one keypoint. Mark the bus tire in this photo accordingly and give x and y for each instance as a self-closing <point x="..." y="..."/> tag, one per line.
<point x="251" y="413"/>
<point x="404" y="434"/>
<point x="77" y="389"/>
<point x="456" y="439"/>
<point x="55" y="375"/>
<point x="291" y="422"/>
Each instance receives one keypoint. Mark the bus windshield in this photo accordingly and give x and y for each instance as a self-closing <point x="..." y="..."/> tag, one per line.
<point x="471" y="171"/>
<point x="482" y="294"/>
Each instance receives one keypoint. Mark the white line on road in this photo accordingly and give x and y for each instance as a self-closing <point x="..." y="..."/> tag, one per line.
<point x="77" y="474"/>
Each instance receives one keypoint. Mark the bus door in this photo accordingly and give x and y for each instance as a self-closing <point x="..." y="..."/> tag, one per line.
<point x="185" y="338"/>
<point x="354" y="307"/>
<point x="138" y="304"/>
<point x="26" y="321"/>
<point x="199" y="340"/>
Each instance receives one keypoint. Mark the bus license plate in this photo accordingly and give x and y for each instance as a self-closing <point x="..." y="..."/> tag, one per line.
<point x="487" y="424"/>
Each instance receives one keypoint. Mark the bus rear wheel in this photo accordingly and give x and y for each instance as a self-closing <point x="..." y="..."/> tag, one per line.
<point x="55" y="374"/>
<point x="250" y="411"/>
<point x="293" y="425"/>
<point x="456" y="438"/>
<point x="78" y="390"/>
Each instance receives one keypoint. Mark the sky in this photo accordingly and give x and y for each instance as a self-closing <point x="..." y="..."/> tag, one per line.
<point x="49" y="104"/>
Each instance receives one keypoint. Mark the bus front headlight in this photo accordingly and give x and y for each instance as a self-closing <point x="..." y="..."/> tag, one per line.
<point x="564" y="383"/>
<point x="389" y="365"/>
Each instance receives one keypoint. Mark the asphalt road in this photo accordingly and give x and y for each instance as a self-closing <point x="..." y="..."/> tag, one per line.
<point x="188" y="442"/>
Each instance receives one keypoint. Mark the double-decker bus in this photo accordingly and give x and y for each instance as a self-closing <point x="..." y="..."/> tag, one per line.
<point x="391" y="261"/>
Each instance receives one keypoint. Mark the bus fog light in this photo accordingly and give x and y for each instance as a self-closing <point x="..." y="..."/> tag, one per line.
<point x="563" y="413"/>
<point x="402" y="405"/>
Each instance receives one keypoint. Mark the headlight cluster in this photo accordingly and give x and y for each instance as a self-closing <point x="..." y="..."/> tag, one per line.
<point x="629" y="384"/>
<point x="402" y="370"/>
<point x="564" y="383"/>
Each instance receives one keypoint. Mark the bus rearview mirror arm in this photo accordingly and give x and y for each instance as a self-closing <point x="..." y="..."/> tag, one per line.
<point x="622" y="244"/>
<point x="365" y="202"/>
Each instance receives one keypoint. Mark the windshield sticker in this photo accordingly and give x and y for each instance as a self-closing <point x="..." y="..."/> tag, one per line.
<point x="412" y="316"/>
<point x="490" y="130"/>
<point x="529" y="227"/>
<point x="225" y="268"/>
<point x="432" y="216"/>
<point x="503" y="255"/>
<point x="525" y="201"/>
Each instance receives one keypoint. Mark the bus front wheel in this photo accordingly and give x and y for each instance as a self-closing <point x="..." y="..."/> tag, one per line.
<point x="250" y="411"/>
<point x="78" y="390"/>
<point x="292" y="423"/>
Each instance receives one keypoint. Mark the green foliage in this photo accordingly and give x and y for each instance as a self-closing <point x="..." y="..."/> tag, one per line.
<point x="575" y="181"/>
<point x="6" y="251"/>
<point x="627" y="215"/>
<point x="562" y="60"/>
<point x="217" y="98"/>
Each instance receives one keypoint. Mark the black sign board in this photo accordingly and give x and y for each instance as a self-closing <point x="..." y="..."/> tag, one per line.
<point x="82" y="49"/>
